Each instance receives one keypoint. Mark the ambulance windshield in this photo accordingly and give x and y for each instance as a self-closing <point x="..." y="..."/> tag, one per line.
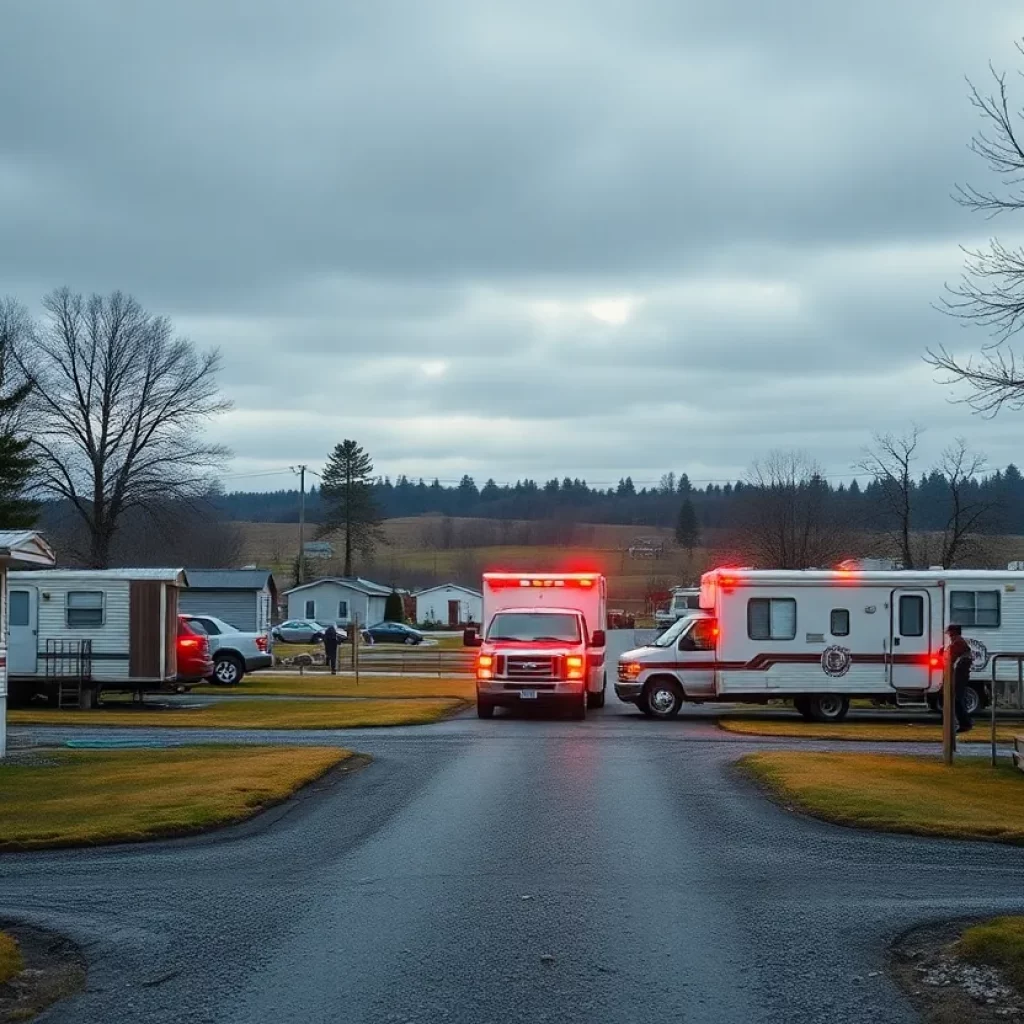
<point x="560" y="627"/>
<point x="674" y="632"/>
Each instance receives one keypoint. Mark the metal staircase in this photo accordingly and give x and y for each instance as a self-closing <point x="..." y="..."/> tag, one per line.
<point x="68" y="667"/>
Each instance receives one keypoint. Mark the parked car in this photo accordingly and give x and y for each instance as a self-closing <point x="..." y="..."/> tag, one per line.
<point x="395" y="633"/>
<point x="234" y="651"/>
<point x="195" y="662"/>
<point x="299" y="631"/>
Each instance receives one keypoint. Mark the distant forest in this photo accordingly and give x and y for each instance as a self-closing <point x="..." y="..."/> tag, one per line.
<point x="717" y="506"/>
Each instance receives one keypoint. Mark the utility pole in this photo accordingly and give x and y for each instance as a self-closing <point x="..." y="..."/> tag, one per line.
<point x="300" y="570"/>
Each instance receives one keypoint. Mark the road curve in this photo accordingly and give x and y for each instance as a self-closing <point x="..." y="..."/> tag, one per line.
<point x="612" y="870"/>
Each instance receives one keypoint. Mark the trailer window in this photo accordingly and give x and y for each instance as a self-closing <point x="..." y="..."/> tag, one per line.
<point x="18" y="607"/>
<point x="911" y="615"/>
<point x="974" y="607"/>
<point x="771" y="618"/>
<point x="839" y="624"/>
<point x="84" y="608"/>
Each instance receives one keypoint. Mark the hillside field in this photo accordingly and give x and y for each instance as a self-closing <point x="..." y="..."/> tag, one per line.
<point x="431" y="549"/>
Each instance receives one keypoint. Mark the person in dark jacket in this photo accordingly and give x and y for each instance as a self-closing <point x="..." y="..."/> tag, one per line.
<point x="331" y="648"/>
<point x="959" y="655"/>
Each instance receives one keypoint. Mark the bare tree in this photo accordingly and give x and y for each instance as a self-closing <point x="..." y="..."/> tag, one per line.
<point x="967" y="514"/>
<point x="891" y="463"/>
<point x="990" y="292"/>
<point x="119" y="403"/>
<point x="789" y="520"/>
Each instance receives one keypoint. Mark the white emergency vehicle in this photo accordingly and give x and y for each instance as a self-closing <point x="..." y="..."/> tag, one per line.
<point x="542" y="641"/>
<point x="821" y="638"/>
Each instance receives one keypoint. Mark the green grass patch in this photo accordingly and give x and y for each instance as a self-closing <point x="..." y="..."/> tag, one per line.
<point x="243" y="714"/>
<point x="11" y="961"/>
<point x="998" y="943"/>
<point x="896" y="793"/>
<point x="867" y="731"/>
<point x="85" y="797"/>
<point x="325" y="685"/>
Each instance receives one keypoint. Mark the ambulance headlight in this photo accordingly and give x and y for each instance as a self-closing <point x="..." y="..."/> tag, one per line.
<point x="629" y="670"/>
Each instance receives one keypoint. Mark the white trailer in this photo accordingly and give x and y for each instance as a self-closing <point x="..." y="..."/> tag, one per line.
<point x="543" y="640"/>
<point x="75" y="632"/>
<point x="821" y="638"/>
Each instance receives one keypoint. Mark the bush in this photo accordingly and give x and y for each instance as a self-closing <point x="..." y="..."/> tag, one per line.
<point x="394" y="608"/>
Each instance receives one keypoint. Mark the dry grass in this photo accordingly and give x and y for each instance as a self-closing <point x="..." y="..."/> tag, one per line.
<point x="85" y="797"/>
<point x="11" y="961"/>
<point x="865" y="731"/>
<point x="243" y="714"/>
<point x="895" y="793"/>
<point x="998" y="943"/>
<point x="324" y="685"/>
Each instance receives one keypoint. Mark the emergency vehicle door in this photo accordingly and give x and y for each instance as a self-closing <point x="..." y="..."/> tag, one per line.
<point x="695" y="658"/>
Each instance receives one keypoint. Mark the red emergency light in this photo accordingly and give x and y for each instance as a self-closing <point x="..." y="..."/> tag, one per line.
<point x="496" y="580"/>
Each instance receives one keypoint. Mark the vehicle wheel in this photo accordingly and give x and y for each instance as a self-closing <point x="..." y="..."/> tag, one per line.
<point x="317" y="638"/>
<point x="484" y="709"/>
<point x="409" y="641"/>
<point x="595" y="700"/>
<point x="972" y="699"/>
<point x="228" y="670"/>
<point x="578" y="708"/>
<point x="662" y="698"/>
<point x="827" y="707"/>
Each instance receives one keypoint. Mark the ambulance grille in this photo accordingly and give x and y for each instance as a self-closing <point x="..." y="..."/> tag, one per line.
<point x="525" y="667"/>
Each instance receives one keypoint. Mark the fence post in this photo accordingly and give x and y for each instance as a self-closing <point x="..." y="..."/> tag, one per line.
<point x="993" y="697"/>
<point x="948" y="735"/>
<point x="356" y="637"/>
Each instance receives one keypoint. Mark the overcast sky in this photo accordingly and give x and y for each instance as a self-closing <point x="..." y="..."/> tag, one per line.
<point x="517" y="237"/>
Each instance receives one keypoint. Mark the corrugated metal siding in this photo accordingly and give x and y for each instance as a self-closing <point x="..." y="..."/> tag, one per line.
<point x="111" y="638"/>
<point x="237" y="607"/>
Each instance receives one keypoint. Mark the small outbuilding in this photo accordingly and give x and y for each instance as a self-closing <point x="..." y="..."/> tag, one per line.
<point x="245" y="598"/>
<point x="449" y="604"/>
<point x="338" y="599"/>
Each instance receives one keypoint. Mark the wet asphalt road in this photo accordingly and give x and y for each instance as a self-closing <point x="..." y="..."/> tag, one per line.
<point x="514" y="870"/>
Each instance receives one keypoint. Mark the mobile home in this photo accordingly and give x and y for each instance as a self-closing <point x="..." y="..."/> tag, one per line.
<point x="93" y="630"/>
<point x="821" y="638"/>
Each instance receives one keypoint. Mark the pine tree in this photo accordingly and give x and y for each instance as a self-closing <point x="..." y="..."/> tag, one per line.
<point x="16" y="465"/>
<point x="347" y="494"/>
<point x="687" y="528"/>
<point x="394" y="609"/>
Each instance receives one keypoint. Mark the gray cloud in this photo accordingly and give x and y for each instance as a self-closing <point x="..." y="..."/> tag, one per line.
<point x="515" y="238"/>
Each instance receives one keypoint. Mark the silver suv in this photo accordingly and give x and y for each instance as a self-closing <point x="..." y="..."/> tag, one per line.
<point x="234" y="652"/>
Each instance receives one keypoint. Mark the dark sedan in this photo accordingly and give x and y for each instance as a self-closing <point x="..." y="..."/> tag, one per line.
<point x="395" y="633"/>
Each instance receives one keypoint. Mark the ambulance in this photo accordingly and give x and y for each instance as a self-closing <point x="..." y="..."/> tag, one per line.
<point x="821" y="638"/>
<point x="542" y="641"/>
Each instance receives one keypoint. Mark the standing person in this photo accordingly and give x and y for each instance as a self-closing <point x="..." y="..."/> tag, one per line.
<point x="959" y="655"/>
<point x="331" y="648"/>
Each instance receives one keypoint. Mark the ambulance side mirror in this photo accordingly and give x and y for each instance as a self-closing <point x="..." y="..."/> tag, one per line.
<point x="471" y="638"/>
<point x="598" y="638"/>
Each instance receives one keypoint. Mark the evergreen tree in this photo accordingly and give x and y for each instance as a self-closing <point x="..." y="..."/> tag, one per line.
<point x="16" y="465"/>
<point x="349" y="504"/>
<point x="687" y="528"/>
<point x="394" y="609"/>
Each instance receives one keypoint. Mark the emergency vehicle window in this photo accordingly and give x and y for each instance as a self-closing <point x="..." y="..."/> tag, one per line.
<point x="771" y="618"/>
<point x="840" y="622"/>
<point x="911" y="615"/>
<point x="974" y="607"/>
<point x="702" y="635"/>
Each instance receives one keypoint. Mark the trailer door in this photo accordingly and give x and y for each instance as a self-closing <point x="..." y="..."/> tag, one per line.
<point x="23" y="631"/>
<point x="910" y="635"/>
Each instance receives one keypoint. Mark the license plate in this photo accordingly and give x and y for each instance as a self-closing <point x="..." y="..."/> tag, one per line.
<point x="528" y="694"/>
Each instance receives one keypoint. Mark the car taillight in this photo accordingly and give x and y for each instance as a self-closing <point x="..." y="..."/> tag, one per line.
<point x="574" y="666"/>
<point x="189" y="643"/>
<point x="485" y="667"/>
<point x="261" y="644"/>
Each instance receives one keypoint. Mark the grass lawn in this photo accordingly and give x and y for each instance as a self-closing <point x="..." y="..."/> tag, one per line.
<point x="998" y="943"/>
<point x="83" y="797"/>
<point x="11" y="962"/>
<point x="323" y="685"/>
<point x="874" y="731"/>
<point x="895" y="793"/>
<point x="244" y="714"/>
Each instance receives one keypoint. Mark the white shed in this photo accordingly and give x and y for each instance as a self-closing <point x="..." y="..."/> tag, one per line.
<point x="450" y="604"/>
<point x="338" y="599"/>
